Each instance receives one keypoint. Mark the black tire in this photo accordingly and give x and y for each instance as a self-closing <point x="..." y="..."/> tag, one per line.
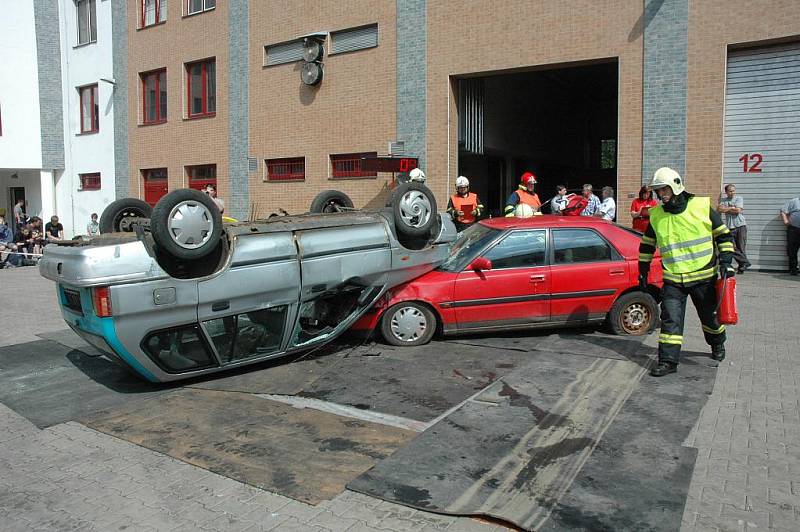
<point x="635" y="314"/>
<point x="117" y="211"/>
<point x="331" y="201"/>
<point x="408" y="324"/>
<point x="195" y="242"/>
<point x="414" y="210"/>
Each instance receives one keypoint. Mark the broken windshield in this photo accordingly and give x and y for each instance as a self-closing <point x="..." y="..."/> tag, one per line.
<point x="468" y="245"/>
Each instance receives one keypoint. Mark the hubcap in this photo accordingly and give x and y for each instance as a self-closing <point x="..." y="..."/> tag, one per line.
<point x="190" y="224"/>
<point x="415" y="208"/>
<point x="408" y="324"/>
<point x="635" y="317"/>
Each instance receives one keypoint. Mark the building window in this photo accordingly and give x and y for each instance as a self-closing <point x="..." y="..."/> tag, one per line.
<point x="353" y="39"/>
<point x="154" y="97"/>
<point x="90" y="181"/>
<point x="202" y="175"/>
<point x="201" y="88"/>
<point x="608" y="154"/>
<point x="90" y="109"/>
<point x="198" y="6"/>
<point x="287" y="169"/>
<point x="153" y="12"/>
<point x="346" y="165"/>
<point x="155" y="184"/>
<point x="87" y="21"/>
<point x="282" y="53"/>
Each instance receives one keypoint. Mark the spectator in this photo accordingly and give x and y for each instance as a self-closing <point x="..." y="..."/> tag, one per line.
<point x="211" y="190"/>
<point x="559" y="202"/>
<point x="791" y="219"/>
<point x="54" y="230"/>
<point x="93" y="227"/>
<point x="608" y="208"/>
<point x="19" y="214"/>
<point x="594" y="201"/>
<point x="6" y="242"/>
<point x="731" y="207"/>
<point x="640" y="209"/>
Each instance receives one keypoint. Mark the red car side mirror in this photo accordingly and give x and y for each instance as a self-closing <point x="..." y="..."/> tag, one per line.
<point x="481" y="263"/>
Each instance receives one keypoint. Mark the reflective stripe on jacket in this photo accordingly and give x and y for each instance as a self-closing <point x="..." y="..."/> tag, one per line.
<point x="685" y="240"/>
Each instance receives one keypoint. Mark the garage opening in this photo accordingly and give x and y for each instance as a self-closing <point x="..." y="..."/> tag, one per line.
<point x="559" y="123"/>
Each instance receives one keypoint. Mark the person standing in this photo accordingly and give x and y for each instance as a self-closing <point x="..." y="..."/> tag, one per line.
<point x="594" y="201"/>
<point x="211" y="190"/>
<point x="93" y="227"/>
<point x="686" y="229"/>
<point x="608" y="207"/>
<point x="524" y="194"/>
<point x="640" y="209"/>
<point x="731" y="206"/>
<point x="19" y="214"/>
<point x="464" y="206"/>
<point x="559" y="202"/>
<point x="790" y="213"/>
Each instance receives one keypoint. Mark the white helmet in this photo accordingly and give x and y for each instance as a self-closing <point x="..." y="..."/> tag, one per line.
<point x="523" y="210"/>
<point x="667" y="177"/>
<point x="462" y="181"/>
<point x="416" y="175"/>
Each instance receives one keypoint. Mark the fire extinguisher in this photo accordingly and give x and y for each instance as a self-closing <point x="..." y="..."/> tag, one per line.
<point x="726" y="301"/>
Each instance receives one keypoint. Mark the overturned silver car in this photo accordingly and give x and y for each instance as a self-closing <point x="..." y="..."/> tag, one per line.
<point x="175" y="293"/>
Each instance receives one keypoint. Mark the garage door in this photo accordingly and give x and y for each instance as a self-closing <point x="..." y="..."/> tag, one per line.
<point x="762" y="144"/>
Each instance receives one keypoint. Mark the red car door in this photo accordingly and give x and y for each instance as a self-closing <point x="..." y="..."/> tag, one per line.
<point x="514" y="292"/>
<point x="587" y="275"/>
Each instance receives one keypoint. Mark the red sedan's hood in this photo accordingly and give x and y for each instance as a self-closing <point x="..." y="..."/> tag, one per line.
<point x="434" y="287"/>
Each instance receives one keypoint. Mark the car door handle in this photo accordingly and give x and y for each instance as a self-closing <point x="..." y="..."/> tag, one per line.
<point x="220" y="305"/>
<point x="616" y="271"/>
<point x="537" y="278"/>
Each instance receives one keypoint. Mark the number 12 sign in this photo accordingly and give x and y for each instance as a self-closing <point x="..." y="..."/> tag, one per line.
<point x="751" y="162"/>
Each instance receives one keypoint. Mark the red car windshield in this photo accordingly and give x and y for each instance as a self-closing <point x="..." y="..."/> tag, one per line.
<point x="469" y="244"/>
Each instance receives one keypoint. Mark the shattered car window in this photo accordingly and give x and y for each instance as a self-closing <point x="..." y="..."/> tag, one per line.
<point x="247" y="335"/>
<point x="466" y="248"/>
<point x="179" y="349"/>
<point x="322" y="316"/>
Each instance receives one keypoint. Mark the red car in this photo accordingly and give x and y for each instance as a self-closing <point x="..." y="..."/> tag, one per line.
<point x="513" y="273"/>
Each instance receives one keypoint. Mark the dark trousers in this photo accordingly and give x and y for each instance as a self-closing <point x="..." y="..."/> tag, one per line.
<point x="740" y="242"/>
<point x="792" y="246"/>
<point x="673" y="313"/>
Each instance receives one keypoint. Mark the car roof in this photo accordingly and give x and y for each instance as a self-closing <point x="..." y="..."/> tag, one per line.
<point x="544" y="220"/>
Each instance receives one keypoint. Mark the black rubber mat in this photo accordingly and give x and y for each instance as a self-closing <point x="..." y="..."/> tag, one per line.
<point x="564" y="443"/>
<point x="300" y="453"/>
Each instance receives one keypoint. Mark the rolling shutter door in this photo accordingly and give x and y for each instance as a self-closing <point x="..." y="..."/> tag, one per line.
<point x="762" y="144"/>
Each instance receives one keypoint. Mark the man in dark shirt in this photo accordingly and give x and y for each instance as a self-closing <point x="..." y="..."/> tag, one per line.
<point x="54" y="230"/>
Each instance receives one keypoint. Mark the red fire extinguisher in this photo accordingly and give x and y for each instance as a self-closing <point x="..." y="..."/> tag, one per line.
<point x="726" y="301"/>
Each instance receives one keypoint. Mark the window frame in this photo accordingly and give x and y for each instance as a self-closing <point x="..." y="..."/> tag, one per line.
<point x="204" y="87"/>
<point x="95" y="108"/>
<point x="288" y="161"/>
<point x="353" y="174"/>
<point x="205" y="7"/>
<point x="615" y="255"/>
<point x="158" y="18"/>
<point x="143" y="77"/>
<point x="90" y="175"/>
<point x="91" y="15"/>
<point x="191" y="168"/>
<point x="507" y="234"/>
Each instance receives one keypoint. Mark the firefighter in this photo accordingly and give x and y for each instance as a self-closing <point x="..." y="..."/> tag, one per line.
<point x="686" y="229"/>
<point x="464" y="206"/>
<point x="524" y="194"/>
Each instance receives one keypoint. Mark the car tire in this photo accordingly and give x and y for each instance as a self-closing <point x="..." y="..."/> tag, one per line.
<point x="634" y="314"/>
<point x="408" y="324"/>
<point x="331" y="201"/>
<point x="414" y="208"/>
<point x="117" y="211"/>
<point x="192" y="240"/>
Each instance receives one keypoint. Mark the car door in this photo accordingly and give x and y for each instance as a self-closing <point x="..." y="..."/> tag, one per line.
<point x="587" y="275"/>
<point x="514" y="292"/>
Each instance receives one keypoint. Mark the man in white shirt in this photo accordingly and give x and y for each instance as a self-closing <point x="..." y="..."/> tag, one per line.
<point x="608" y="207"/>
<point x="558" y="203"/>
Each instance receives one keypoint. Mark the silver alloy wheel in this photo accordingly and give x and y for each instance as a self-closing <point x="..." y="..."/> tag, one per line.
<point x="190" y="224"/>
<point x="408" y="324"/>
<point x="415" y="208"/>
<point x="635" y="317"/>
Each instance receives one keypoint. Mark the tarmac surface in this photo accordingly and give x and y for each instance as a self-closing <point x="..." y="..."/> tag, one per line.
<point x="555" y="430"/>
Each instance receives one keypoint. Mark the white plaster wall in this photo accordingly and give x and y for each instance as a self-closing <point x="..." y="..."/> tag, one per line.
<point x="84" y="65"/>
<point x="20" y="143"/>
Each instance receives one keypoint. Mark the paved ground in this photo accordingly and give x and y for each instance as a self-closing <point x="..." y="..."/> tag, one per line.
<point x="67" y="476"/>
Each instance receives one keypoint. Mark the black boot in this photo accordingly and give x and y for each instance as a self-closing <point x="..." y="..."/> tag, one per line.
<point x="664" y="368"/>
<point x="718" y="352"/>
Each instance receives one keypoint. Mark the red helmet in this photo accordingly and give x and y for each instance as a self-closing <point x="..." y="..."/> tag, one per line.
<point x="527" y="180"/>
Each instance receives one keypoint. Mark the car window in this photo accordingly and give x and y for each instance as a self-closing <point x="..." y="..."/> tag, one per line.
<point x="330" y="311"/>
<point x="519" y="249"/>
<point x="468" y="245"/>
<point x="247" y="335"/>
<point x="579" y="245"/>
<point x="178" y="350"/>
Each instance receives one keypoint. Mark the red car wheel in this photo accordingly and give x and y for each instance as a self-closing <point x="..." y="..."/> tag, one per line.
<point x="633" y="314"/>
<point x="408" y="323"/>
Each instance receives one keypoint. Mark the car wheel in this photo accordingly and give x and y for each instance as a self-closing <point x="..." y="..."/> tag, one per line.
<point x="633" y="314"/>
<point x="414" y="209"/>
<point x="117" y="216"/>
<point x="408" y="324"/>
<point x="186" y="224"/>
<point x="331" y="201"/>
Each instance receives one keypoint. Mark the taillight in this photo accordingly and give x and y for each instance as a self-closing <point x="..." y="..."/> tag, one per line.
<point x="101" y="297"/>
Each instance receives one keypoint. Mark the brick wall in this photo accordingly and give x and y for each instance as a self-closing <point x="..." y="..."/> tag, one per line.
<point x="48" y="54"/>
<point x="411" y="76"/>
<point x="238" y="199"/>
<point x="119" y="28"/>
